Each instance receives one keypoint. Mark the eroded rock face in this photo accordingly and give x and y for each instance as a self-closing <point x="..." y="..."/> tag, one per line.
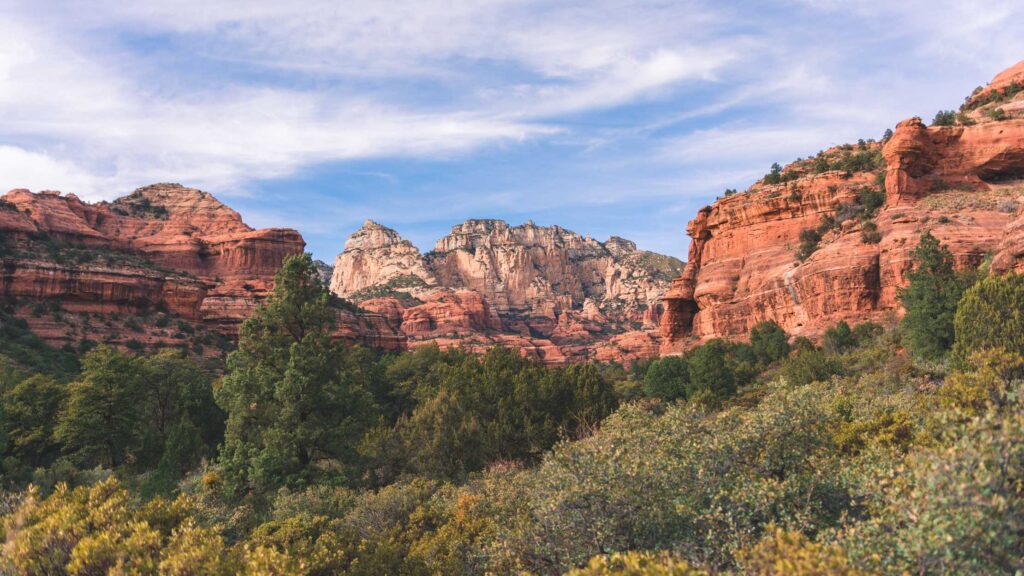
<point x="548" y="291"/>
<point x="164" y="249"/>
<point x="964" y="183"/>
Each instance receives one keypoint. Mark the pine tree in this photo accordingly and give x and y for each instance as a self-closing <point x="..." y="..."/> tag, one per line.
<point x="99" y="422"/>
<point x="30" y="413"/>
<point x="769" y="342"/>
<point x="931" y="298"/>
<point x="295" y="412"/>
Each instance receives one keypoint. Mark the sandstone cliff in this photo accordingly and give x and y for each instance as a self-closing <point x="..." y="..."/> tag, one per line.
<point x="807" y="247"/>
<point x="164" y="265"/>
<point x="555" y="294"/>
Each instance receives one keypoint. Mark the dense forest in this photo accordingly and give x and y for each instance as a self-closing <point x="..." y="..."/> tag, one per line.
<point x="879" y="449"/>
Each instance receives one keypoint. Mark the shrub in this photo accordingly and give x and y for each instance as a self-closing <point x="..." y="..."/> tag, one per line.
<point x="957" y="509"/>
<point x="809" y="365"/>
<point x="839" y="338"/>
<point x="793" y="554"/>
<point x="983" y="382"/>
<point x="769" y="342"/>
<point x="637" y="564"/>
<point x="869" y="233"/>
<point x="997" y="114"/>
<point x="990" y="315"/>
<point x="809" y="239"/>
<point x="944" y="118"/>
<point x="667" y="378"/>
<point x="710" y="373"/>
<point x="871" y="199"/>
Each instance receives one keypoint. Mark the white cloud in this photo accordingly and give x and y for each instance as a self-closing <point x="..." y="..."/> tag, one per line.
<point x="120" y="117"/>
<point x="39" y="171"/>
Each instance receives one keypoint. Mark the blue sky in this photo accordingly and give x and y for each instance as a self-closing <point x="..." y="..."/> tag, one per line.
<point x="604" y="117"/>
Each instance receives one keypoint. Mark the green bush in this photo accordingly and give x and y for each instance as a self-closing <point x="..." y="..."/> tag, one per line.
<point x="810" y="365"/>
<point x="990" y="315"/>
<point x="769" y="342"/>
<point x="667" y="378"/>
<point x="957" y="509"/>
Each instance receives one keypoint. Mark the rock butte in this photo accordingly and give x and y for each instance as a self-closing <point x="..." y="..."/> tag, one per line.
<point x="965" y="183"/>
<point x="77" y="271"/>
<point x="554" y="294"/>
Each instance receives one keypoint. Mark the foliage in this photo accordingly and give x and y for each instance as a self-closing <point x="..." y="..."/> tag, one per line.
<point x="990" y="315"/>
<point x="104" y="529"/>
<point x="769" y="342"/>
<point x="809" y="239"/>
<point x="294" y="412"/>
<point x="983" y="383"/>
<point x="808" y="365"/>
<point x="944" y="118"/>
<point x="637" y="564"/>
<point x="30" y="411"/>
<point x="474" y="411"/>
<point x="98" y="425"/>
<point x="28" y="352"/>
<point x="956" y="510"/>
<point x="785" y="553"/>
<point x="667" y="378"/>
<point x="931" y="297"/>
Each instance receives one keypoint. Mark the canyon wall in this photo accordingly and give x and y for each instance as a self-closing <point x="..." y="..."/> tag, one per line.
<point x="964" y="183"/>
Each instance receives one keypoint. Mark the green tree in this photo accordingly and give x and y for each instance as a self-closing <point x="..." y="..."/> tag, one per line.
<point x="709" y="370"/>
<point x="839" y="338"/>
<point x="930" y="298"/>
<point x="30" y="413"/>
<point x="177" y="396"/>
<point x="593" y="397"/>
<point x="98" y="424"/>
<point x="295" y="413"/>
<point x="667" y="378"/>
<point x="769" y="342"/>
<point x="990" y="315"/>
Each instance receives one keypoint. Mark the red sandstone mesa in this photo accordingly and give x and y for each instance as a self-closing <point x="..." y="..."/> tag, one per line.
<point x="965" y="183"/>
<point x="163" y="246"/>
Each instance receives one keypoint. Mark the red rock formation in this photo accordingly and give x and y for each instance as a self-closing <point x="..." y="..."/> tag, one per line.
<point x="542" y="289"/>
<point x="1012" y="75"/>
<point x="162" y="247"/>
<point x="964" y="183"/>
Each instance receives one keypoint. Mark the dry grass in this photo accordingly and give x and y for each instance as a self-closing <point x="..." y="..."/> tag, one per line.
<point x="1004" y="199"/>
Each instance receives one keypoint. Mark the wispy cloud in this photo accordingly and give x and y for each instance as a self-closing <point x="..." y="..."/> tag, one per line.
<point x="576" y="107"/>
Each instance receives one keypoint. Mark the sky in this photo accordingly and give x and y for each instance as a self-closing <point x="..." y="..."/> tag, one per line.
<point x="605" y="117"/>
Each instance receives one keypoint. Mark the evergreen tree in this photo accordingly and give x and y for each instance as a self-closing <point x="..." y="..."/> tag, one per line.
<point x="839" y="338"/>
<point x="709" y="370"/>
<point x="177" y="393"/>
<point x="30" y="413"/>
<point x="294" y="411"/>
<point x="98" y="424"/>
<point x="769" y="342"/>
<point x="931" y="298"/>
<point x="667" y="378"/>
